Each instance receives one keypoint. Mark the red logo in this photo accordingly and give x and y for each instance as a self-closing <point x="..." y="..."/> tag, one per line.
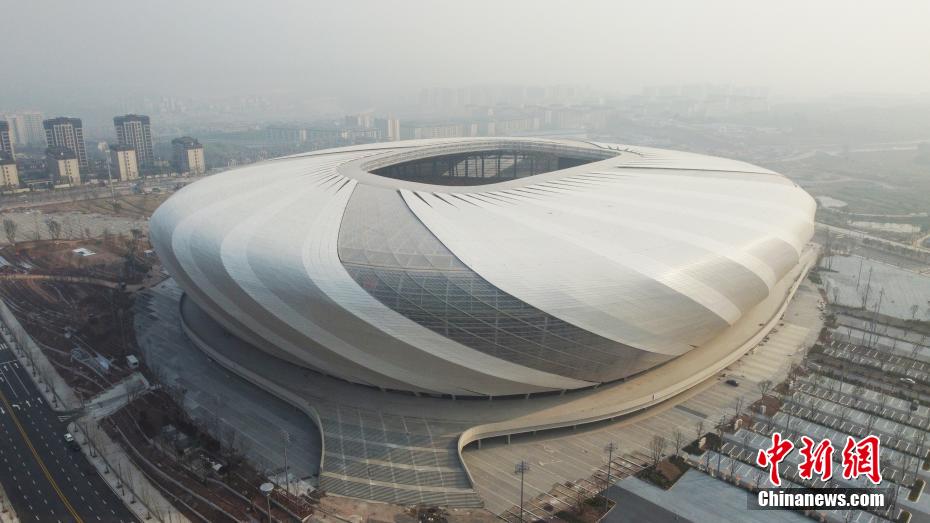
<point x="817" y="459"/>
<point x="859" y="458"/>
<point x="862" y="459"/>
<point x="774" y="455"/>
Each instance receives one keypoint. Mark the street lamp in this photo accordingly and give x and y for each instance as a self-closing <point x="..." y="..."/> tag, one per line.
<point x="105" y="149"/>
<point x="521" y="468"/>
<point x="266" y="489"/>
<point x="610" y="448"/>
<point x="287" y="480"/>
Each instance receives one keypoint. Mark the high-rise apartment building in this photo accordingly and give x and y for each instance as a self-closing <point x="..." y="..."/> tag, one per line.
<point x="67" y="133"/>
<point x="388" y="128"/>
<point x="188" y="155"/>
<point x="124" y="163"/>
<point x="135" y="130"/>
<point x="26" y="128"/>
<point x="6" y="140"/>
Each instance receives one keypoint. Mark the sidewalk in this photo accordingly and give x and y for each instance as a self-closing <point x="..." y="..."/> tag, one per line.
<point x="6" y="511"/>
<point x="59" y="396"/>
<point x="114" y="398"/>
<point x="57" y="393"/>
<point x="119" y="472"/>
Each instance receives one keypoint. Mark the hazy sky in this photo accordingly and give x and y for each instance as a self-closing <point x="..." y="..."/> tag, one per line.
<point x="809" y="47"/>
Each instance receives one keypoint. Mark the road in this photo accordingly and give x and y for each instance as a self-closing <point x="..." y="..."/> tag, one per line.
<point x="859" y="234"/>
<point x="44" y="479"/>
<point x="87" y="192"/>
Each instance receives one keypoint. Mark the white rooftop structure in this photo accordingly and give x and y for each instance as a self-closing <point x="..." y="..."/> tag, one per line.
<point x="483" y="266"/>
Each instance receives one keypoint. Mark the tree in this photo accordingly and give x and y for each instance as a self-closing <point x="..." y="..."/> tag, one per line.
<point x="657" y="449"/>
<point x="134" y="388"/>
<point x="9" y="227"/>
<point x="679" y="439"/>
<point x="69" y="227"/>
<point x="132" y="245"/>
<point x="764" y="387"/>
<point x="54" y="228"/>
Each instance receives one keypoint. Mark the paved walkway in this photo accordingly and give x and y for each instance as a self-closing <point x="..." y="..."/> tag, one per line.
<point x="113" y="399"/>
<point x="574" y="454"/>
<point x="121" y="475"/>
<point x="7" y="515"/>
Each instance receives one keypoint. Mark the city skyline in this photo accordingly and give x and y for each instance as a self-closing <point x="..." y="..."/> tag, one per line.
<point x="622" y="47"/>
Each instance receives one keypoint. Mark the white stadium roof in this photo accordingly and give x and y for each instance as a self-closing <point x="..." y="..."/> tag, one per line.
<point x="525" y="280"/>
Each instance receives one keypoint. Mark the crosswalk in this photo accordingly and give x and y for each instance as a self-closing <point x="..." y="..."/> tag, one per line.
<point x="21" y="396"/>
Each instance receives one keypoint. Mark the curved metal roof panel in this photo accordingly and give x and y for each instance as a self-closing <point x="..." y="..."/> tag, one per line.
<point x="550" y="281"/>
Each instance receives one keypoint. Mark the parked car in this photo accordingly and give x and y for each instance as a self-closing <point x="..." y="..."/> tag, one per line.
<point x="71" y="443"/>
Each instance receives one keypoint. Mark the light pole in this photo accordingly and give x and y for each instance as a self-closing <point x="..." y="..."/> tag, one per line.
<point x="266" y="489"/>
<point x="105" y="149"/>
<point x="287" y="479"/>
<point x="521" y="468"/>
<point x="610" y="448"/>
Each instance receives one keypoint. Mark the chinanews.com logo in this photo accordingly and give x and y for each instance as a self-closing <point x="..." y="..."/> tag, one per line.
<point x="858" y="459"/>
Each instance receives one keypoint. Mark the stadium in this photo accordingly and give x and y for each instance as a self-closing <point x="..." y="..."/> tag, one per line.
<point x="484" y="267"/>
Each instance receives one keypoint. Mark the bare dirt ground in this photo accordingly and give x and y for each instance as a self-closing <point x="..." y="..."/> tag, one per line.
<point x="136" y="206"/>
<point x="74" y="324"/>
<point x="116" y="257"/>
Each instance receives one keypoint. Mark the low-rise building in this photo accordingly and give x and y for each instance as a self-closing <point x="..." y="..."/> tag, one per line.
<point x="188" y="155"/>
<point x="63" y="166"/>
<point x="124" y="164"/>
<point x="9" y="174"/>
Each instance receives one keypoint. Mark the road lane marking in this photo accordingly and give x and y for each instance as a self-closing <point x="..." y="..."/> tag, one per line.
<point x="4" y="380"/>
<point x="16" y="365"/>
<point x="38" y="459"/>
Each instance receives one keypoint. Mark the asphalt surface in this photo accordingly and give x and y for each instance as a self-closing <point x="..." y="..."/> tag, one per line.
<point x="631" y="508"/>
<point x="44" y="479"/>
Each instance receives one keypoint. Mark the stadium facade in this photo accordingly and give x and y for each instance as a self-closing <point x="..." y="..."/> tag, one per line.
<point x="483" y="267"/>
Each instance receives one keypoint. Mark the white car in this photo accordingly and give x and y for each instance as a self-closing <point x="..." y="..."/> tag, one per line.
<point x="71" y="443"/>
